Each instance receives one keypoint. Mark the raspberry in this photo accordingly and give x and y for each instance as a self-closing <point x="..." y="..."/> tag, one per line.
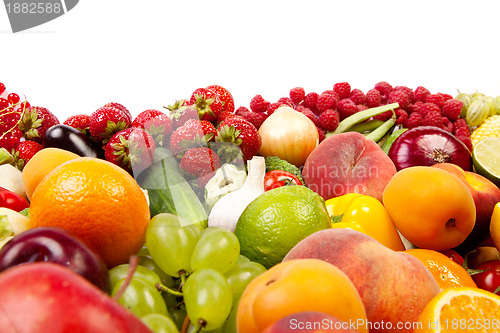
<point x="256" y="118"/>
<point x="433" y="119"/>
<point x="460" y="123"/>
<point x="309" y="114"/>
<point x="446" y="96"/>
<point x="343" y="89"/>
<point x="414" y="120"/>
<point x="466" y="141"/>
<point x="285" y="101"/>
<point x="346" y="108"/>
<point x="358" y="96"/>
<point x="452" y="109"/>
<point x="428" y="108"/>
<point x="385" y="90"/>
<point x="259" y="104"/>
<point x="401" y="116"/>
<point x="437" y="99"/>
<point x="272" y="107"/>
<point x="447" y="124"/>
<point x="401" y="97"/>
<point x="383" y="116"/>
<point x="297" y="94"/>
<point x="461" y="131"/>
<point x="421" y="94"/>
<point x="321" y="134"/>
<point x="327" y="100"/>
<point x="409" y="92"/>
<point x="310" y="101"/>
<point x="329" y="120"/>
<point x="241" y="111"/>
<point x="361" y="107"/>
<point x="414" y="107"/>
<point x="373" y="98"/>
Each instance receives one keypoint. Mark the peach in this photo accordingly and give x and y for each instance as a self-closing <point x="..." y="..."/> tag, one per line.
<point x="485" y="194"/>
<point x="311" y="322"/>
<point x="394" y="286"/>
<point x="348" y="163"/>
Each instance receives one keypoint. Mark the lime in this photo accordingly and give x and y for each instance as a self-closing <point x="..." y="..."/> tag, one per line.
<point x="486" y="159"/>
<point x="277" y="220"/>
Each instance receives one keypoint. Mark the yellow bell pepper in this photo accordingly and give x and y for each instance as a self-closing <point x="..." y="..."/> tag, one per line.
<point x="365" y="214"/>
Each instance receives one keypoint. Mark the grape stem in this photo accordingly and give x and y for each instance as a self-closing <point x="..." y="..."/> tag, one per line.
<point x="162" y="287"/>
<point x="185" y="324"/>
<point x="133" y="263"/>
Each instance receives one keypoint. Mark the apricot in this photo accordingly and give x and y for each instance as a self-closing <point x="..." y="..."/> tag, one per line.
<point x="431" y="207"/>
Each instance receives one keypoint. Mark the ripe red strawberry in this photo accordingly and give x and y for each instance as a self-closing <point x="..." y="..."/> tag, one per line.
<point x="207" y="103"/>
<point x="36" y="121"/>
<point x="80" y="121"/>
<point x="132" y="149"/>
<point x="120" y="107"/>
<point x="24" y="152"/>
<point x="194" y="133"/>
<point x="180" y="112"/>
<point x="156" y="123"/>
<point x="199" y="162"/>
<point x="244" y="136"/>
<point x="225" y="96"/>
<point x="105" y="122"/>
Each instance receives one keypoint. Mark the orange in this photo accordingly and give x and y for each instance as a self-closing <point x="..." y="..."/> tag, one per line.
<point x="461" y="310"/>
<point x="41" y="164"/>
<point x="98" y="201"/>
<point x="448" y="274"/>
<point x="430" y="207"/>
<point x="296" y="286"/>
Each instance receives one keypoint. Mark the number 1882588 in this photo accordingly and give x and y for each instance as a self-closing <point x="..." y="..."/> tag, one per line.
<point x="34" y="8"/>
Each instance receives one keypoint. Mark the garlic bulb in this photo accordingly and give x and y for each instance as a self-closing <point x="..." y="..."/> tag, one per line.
<point x="228" y="209"/>
<point x="228" y="178"/>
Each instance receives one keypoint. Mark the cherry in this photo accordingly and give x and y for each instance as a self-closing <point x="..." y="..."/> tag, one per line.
<point x="4" y="103"/>
<point x="13" y="98"/>
<point x="2" y="88"/>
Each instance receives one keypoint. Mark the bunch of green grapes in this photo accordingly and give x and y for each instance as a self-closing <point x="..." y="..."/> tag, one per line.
<point x="185" y="273"/>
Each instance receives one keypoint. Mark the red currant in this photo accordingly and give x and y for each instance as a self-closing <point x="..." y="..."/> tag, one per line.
<point x="11" y="139"/>
<point x="2" y="88"/>
<point x="4" y="103"/>
<point x="13" y="98"/>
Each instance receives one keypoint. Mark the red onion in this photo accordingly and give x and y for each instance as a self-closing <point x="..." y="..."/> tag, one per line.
<point x="429" y="145"/>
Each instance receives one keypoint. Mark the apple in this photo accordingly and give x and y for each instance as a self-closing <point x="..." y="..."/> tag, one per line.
<point x="48" y="297"/>
<point x="310" y="322"/>
<point x="394" y="286"/>
<point x="348" y="163"/>
<point x="485" y="194"/>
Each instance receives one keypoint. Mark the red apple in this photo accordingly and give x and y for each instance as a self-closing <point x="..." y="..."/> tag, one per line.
<point x="48" y="297"/>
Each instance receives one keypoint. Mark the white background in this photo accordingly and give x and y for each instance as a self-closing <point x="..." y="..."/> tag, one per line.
<point x="148" y="53"/>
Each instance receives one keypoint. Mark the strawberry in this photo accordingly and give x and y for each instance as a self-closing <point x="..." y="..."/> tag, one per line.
<point x="105" y="122"/>
<point x="244" y="136"/>
<point x="194" y="133"/>
<point x="80" y="122"/>
<point x="121" y="108"/>
<point x="199" y="162"/>
<point x="180" y="112"/>
<point x="156" y="123"/>
<point x="24" y="152"/>
<point x="225" y="96"/>
<point x="207" y="103"/>
<point x="132" y="149"/>
<point x="35" y="121"/>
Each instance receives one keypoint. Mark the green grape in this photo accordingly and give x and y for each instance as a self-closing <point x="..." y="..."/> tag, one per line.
<point x="149" y="263"/>
<point x="171" y="244"/>
<point x="159" y="323"/>
<point x="120" y="272"/>
<point x="178" y="314"/>
<point x="242" y="258"/>
<point x="241" y="275"/>
<point x="218" y="248"/>
<point x="466" y="99"/>
<point x="193" y="329"/>
<point x="230" y="325"/>
<point x="140" y="297"/>
<point x="208" y="298"/>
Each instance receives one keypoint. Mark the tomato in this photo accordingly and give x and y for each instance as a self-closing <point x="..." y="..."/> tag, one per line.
<point x="489" y="279"/>
<point x="453" y="255"/>
<point x="277" y="178"/>
<point x="12" y="200"/>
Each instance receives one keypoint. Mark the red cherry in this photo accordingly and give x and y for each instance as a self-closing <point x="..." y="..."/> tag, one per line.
<point x="2" y="88"/>
<point x="13" y="98"/>
<point x="4" y="103"/>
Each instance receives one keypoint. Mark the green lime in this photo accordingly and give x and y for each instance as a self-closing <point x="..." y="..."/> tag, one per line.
<point x="277" y="220"/>
<point x="486" y="159"/>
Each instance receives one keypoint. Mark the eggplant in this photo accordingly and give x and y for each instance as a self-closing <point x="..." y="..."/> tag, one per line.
<point x="69" y="138"/>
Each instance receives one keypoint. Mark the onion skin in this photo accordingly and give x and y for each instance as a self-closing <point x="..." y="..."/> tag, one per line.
<point x="429" y="145"/>
<point x="289" y="135"/>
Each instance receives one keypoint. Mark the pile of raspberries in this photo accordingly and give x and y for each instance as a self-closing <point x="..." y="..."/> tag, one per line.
<point x="417" y="107"/>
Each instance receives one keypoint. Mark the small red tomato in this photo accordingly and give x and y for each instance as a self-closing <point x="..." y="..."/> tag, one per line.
<point x="453" y="255"/>
<point x="278" y="178"/>
<point x="489" y="279"/>
<point x="12" y="200"/>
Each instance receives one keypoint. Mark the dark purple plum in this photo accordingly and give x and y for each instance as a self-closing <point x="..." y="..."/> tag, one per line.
<point x="59" y="246"/>
<point x="69" y="138"/>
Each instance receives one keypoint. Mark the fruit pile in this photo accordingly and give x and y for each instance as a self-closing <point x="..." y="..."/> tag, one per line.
<point x="374" y="211"/>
